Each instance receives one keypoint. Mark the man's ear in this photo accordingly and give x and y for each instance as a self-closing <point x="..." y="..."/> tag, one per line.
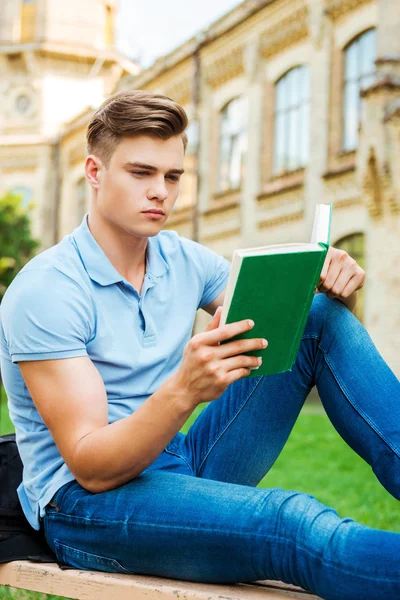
<point x="93" y="169"/>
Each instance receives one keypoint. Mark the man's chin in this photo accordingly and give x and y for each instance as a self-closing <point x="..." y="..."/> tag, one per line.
<point x="147" y="230"/>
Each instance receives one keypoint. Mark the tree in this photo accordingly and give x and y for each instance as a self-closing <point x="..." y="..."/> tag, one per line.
<point x="17" y="246"/>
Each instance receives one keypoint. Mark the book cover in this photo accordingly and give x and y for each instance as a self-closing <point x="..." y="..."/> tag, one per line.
<point x="274" y="286"/>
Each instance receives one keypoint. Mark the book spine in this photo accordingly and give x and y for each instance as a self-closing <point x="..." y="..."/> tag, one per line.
<point x="306" y="310"/>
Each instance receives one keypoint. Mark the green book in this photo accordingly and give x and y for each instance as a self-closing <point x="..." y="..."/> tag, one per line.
<point x="274" y="286"/>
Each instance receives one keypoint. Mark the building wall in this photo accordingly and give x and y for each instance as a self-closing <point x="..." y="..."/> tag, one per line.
<point x="55" y="61"/>
<point x="69" y="23"/>
<point x="247" y="60"/>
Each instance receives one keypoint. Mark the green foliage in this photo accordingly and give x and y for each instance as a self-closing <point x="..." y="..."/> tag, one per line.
<point x="16" y="244"/>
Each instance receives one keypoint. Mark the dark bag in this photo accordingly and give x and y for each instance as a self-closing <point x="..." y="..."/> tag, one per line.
<point x="18" y="540"/>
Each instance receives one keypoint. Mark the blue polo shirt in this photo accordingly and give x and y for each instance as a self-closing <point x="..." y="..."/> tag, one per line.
<point x="70" y="301"/>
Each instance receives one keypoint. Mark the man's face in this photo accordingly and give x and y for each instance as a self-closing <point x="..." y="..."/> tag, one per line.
<point x="143" y="175"/>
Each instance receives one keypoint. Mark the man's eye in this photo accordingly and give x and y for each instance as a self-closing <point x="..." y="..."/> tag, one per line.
<point x="173" y="178"/>
<point x="141" y="173"/>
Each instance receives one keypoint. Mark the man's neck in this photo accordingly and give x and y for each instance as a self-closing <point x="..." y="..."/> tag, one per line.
<point x="126" y="253"/>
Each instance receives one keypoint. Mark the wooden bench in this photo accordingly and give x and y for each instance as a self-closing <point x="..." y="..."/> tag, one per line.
<point x="48" y="578"/>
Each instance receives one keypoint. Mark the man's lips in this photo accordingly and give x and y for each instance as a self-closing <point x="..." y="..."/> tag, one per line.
<point x="154" y="211"/>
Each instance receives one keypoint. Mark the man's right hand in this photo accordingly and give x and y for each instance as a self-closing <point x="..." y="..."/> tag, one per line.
<point x="208" y="368"/>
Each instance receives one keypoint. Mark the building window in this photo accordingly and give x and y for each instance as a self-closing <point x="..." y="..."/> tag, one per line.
<point x="354" y="245"/>
<point x="292" y="120"/>
<point x="359" y="68"/>
<point x="233" y="144"/>
<point x="28" y="20"/>
<point x="80" y="195"/>
<point x="24" y="193"/>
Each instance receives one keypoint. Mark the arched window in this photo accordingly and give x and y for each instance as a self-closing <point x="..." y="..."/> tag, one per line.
<point x="24" y="193"/>
<point x="80" y="194"/>
<point x="292" y="120"/>
<point x="233" y="144"/>
<point x="359" y="67"/>
<point x="355" y="246"/>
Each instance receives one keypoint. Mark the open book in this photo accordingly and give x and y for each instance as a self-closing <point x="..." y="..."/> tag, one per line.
<point x="274" y="286"/>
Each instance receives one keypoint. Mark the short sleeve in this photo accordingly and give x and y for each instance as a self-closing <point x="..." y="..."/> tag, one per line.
<point x="46" y="315"/>
<point x="216" y="274"/>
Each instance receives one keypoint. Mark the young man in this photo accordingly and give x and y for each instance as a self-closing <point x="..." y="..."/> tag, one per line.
<point x="101" y="373"/>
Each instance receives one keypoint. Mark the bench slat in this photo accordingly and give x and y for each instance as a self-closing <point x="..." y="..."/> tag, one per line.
<point x="48" y="578"/>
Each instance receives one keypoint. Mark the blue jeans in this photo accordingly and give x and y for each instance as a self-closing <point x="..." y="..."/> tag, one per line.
<point x="195" y="512"/>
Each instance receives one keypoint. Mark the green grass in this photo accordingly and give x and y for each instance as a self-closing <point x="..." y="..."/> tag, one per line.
<point x="317" y="461"/>
<point x="9" y="593"/>
<point x="5" y="423"/>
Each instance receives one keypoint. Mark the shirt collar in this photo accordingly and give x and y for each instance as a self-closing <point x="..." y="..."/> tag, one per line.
<point x="98" y="265"/>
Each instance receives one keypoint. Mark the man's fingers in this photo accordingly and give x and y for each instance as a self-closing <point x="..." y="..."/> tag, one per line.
<point x="325" y="268"/>
<point x="214" y="323"/>
<point x="240" y="347"/>
<point x="215" y="336"/>
<point x="237" y="374"/>
<point x="337" y="288"/>
<point x="353" y="285"/>
<point x="328" y="282"/>
<point x="240" y="362"/>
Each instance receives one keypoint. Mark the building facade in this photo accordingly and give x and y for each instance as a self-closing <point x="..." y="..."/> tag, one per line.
<point x="290" y="103"/>
<point x="55" y="60"/>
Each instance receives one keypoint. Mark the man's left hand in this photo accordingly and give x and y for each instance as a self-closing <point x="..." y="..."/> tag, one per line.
<point x="341" y="276"/>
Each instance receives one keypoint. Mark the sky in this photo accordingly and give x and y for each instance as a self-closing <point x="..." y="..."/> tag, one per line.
<point x="149" y="28"/>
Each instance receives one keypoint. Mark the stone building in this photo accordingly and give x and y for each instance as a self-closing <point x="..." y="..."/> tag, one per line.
<point x="55" y="60"/>
<point x="291" y="103"/>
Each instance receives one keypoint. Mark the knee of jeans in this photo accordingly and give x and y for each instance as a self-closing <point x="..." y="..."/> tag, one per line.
<point x="306" y="523"/>
<point x="297" y="512"/>
<point x="326" y="310"/>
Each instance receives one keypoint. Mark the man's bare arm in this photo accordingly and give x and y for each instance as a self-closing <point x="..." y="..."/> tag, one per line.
<point x="71" y="399"/>
<point x="219" y="300"/>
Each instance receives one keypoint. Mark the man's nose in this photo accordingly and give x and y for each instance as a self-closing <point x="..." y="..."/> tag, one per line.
<point x="158" y="190"/>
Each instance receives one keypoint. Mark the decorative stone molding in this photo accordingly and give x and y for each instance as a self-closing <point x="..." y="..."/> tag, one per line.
<point x="389" y="191"/>
<point x="281" y="220"/>
<point x="392" y="111"/>
<point x="337" y="8"/>
<point x="220" y="235"/>
<point x="375" y="184"/>
<point x="218" y="224"/>
<point x="385" y="82"/>
<point x="180" y="90"/>
<point x="342" y="189"/>
<point x="371" y="187"/>
<point x="225" y="67"/>
<point x="278" y="208"/>
<point x="285" y="32"/>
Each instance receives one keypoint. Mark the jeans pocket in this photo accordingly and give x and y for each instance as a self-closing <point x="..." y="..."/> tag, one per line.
<point x="87" y="561"/>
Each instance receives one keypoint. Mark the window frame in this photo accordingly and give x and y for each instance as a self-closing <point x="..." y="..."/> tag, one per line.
<point x="225" y="185"/>
<point x="292" y="109"/>
<point x="345" y="147"/>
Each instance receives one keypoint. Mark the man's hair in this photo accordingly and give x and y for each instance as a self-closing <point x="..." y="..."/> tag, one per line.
<point x="133" y="113"/>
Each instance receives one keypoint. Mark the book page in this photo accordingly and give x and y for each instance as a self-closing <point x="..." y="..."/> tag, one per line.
<point x="322" y="224"/>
